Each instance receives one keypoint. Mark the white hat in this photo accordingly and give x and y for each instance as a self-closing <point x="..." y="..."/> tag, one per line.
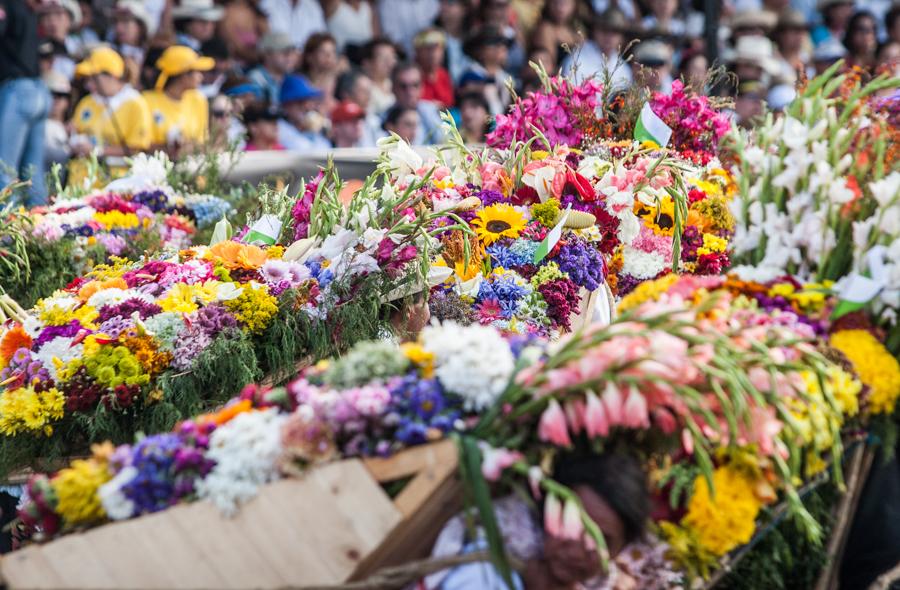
<point x="780" y="96"/>
<point x="137" y="10"/>
<point x="57" y="83"/>
<point x="198" y="10"/>
<point x="829" y="50"/>
<point x="69" y="6"/>
<point x="758" y="51"/>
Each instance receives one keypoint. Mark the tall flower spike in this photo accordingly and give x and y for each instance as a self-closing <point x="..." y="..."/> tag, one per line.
<point x="552" y="427"/>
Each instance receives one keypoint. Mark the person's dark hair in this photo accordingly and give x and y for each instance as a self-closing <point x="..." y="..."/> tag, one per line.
<point x="882" y="47"/>
<point x="402" y="67"/>
<point x="215" y="48"/>
<point x="394" y="114"/>
<point x="890" y="19"/>
<point x="473" y="97"/>
<point x="616" y="477"/>
<point x="369" y="49"/>
<point x="149" y="72"/>
<point x="315" y="41"/>
<point x="345" y="84"/>
<point x="853" y="23"/>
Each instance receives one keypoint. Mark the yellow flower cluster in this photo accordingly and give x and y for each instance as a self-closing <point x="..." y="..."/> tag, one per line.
<point x="712" y="244"/>
<point x="876" y="367"/>
<point x="816" y="419"/>
<point x="117" y="220"/>
<point x="254" y="308"/>
<point x="647" y="291"/>
<point x="811" y="298"/>
<point x="727" y="520"/>
<point x="275" y="252"/>
<point x="26" y="410"/>
<point x="420" y="357"/>
<point x="76" y="491"/>
<point x="179" y="299"/>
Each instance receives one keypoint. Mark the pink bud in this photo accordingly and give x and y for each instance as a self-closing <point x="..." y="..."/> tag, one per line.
<point x="572" y="527"/>
<point x="595" y="417"/>
<point x="552" y="427"/>
<point x="635" y="410"/>
<point x="613" y="403"/>
<point x="687" y="441"/>
<point x="535" y="475"/>
<point x="575" y="415"/>
<point x="553" y="516"/>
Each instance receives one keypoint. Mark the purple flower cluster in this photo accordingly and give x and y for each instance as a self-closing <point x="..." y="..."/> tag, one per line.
<point x="127" y="308"/>
<point x="116" y="326"/>
<point x="50" y="332"/>
<point x="155" y="200"/>
<point x="419" y="406"/>
<point x="214" y="319"/>
<point x="489" y="197"/>
<point x="191" y="342"/>
<point x="584" y="265"/>
<point x="24" y="368"/>
<point x="303" y="208"/>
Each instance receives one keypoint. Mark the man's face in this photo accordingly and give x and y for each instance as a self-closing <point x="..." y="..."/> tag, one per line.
<point x="56" y="23"/>
<point x="283" y="62"/>
<point x="408" y="88"/>
<point x="298" y="113"/>
<point x="347" y="133"/>
<point x="496" y="12"/>
<point x="791" y="40"/>
<point x="127" y="30"/>
<point x="608" y="41"/>
<point x="473" y="115"/>
<point x="430" y="57"/>
<point x="201" y="30"/>
<point x="362" y="92"/>
<point x="106" y="85"/>
<point x="383" y="60"/>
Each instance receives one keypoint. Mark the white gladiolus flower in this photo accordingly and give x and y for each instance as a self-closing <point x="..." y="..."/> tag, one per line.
<point x="887" y="189"/>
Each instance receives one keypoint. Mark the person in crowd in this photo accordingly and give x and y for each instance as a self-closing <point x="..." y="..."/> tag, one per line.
<point x="57" y="149"/>
<point x="861" y="40"/>
<point x="663" y="19"/>
<point x="347" y="125"/>
<point x="407" y="83"/>
<point x="24" y="99"/>
<point x="242" y="27"/>
<point x="261" y="120"/>
<point x="436" y="83"/>
<point x="195" y="22"/>
<point x="379" y="58"/>
<point x="224" y="66"/>
<point x="83" y="35"/>
<point x="131" y="30"/>
<point x="321" y="66"/>
<point x="474" y="116"/>
<point x="754" y="59"/>
<point x="489" y="48"/>
<point x="749" y="104"/>
<point x="498" y="15"/>
<point x="225" y="128"/>
<point x="887" y="60"/>
<point x="614" y="492"/>
<point x="114" y="116"/>
<point x="179" y="111"/>
<point x="693" y="70"/>
<point x="352" y="23"/>
<point x="752" y="23"/>
<point x="405" y="122"/>
<point x="452" y="21"/>
<point x="302" y="126"/>
<point x="827" y="53"/>
<point x="298" y="18"/>
<point x="557" y="31"/>
<point x="57" y="20"/>
<point x="354" y="86"/>
<point x="401" y="20"/>
<point x="892" y="23"/>
<point x="651" y="65"/>
<point x="792" y="38"/>
<point x="835" y="18"/>
<point x="600" y="55"/>
<point x="280" y="57"/>
<point x="542" y="57"/>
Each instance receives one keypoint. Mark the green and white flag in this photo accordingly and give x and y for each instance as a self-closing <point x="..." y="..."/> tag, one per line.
<point x="650" y="127"/>
<point x="264" y="231"/>
<point x="552" y="238"/>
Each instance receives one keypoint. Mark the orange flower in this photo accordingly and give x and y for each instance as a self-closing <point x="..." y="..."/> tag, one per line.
<point x="227" y="413"/>
<point x="237" y="255"/>
<point x="93" y="287"/>
<point x="13" y="340"/>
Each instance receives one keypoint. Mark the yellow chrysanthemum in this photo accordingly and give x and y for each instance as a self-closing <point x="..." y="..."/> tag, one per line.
<point x="275" y="252"/>
<point x="26" y="410"/>
<point x="876" y="367"/>
<point x="254" y="308"/>
<point x="498" y="221"/>
<point x="179" y="299"/>
<point x="76" y="491"/>
<point x="728" y="520"/>
<point x="419" y="357"/>
<point x="712" y="244"/>
<point x="117" y="220"/>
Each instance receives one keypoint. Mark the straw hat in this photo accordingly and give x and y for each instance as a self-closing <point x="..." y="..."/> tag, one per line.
<point x="197" y="10"/>
<point x="136" y="10"/>
<point x="758" y="51"/>
<point x="754" y="19"/>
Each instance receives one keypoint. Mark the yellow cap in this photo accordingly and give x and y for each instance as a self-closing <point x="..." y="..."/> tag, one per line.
<point x="179" y="59"/>
<point x="102" y="60"/>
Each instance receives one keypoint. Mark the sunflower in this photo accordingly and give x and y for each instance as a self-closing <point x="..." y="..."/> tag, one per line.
<point x="498" y="221"/>
<point x="660" y="219"/>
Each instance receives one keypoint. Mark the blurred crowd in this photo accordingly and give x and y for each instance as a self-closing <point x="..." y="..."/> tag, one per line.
<point x="116" y="77"/>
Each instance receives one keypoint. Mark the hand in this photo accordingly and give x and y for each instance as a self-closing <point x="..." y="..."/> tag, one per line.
<point x="570" y="560"/>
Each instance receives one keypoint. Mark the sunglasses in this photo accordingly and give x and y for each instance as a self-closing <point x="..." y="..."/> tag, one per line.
<point x="219" y="114"/>
<point x="409" y="84"/>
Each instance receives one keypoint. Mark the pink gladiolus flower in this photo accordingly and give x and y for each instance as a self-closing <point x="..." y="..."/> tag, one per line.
<point x="665" y="420"/>
<point x="553" y="516"/>
<point x="614" y="405"/>
<point x="572" y="527"/>
<point x="687" y="441"/>
<point x="635" y="410"/>
<point x="575" y="414"/>
<point x="552" y="427"/>
<point x="495" y="461"/>
<point x="596" y="421"/>
<point x="535" y="475"/>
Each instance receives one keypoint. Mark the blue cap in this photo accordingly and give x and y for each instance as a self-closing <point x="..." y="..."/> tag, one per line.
<point x="473" y="76"/>
<point x="296" y="87"/>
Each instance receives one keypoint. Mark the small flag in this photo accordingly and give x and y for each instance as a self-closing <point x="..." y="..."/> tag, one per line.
<point x="264" y="231"/>
<point x="859" y="289"/>
<point x="650" y="127"/>
<point x="546" y="246"/>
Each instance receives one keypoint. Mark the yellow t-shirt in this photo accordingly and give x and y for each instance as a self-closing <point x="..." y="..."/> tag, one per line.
<point x="123" y="118"/>
<point x="186" y="119"/>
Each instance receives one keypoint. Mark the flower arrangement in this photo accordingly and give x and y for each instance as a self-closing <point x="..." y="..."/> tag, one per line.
<point x="817" y="199"/>
<point x="134" y="346"/>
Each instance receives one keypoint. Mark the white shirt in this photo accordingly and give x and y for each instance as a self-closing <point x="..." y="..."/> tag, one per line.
<point x="299" y="141"/>
<point x="298" y="21"/>
<point x="347" y="25"/>
<point x="592" y="62"/>
<point x="402" y="19"/>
